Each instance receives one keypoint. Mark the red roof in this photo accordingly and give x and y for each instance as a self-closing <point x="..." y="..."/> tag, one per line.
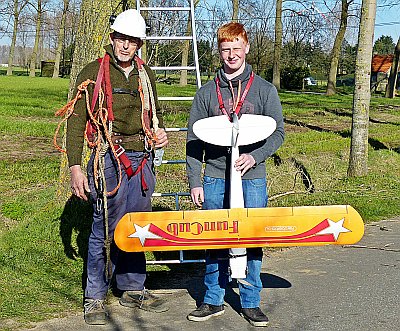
<point x="381" y="63"/>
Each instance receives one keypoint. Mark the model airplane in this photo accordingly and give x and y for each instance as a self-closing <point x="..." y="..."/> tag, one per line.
<point x="218" y="130"/>
<point x="237" y="228"/>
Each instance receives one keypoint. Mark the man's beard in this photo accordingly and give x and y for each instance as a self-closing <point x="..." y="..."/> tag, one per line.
<point x="124" y="58"/>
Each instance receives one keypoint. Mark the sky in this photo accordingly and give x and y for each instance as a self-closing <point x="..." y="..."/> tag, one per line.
<point x="387" y="22"/>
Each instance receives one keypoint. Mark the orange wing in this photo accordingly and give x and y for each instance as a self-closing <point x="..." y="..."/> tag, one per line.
<point x="241" y="227"/>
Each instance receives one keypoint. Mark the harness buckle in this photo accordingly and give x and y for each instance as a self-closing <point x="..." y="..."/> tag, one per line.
<point x="147" y="146"/>
<point x="120" y="150"/>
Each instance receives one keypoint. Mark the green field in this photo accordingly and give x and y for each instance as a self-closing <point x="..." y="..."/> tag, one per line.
<point x="43" y="240"/>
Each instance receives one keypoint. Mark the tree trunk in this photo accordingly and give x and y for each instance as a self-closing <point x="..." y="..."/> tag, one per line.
<point x="358" y="165"/>
<point x="13" y="38"/>
<point x="60" y="41"/>
<point x="235" y="10"/>
<point x="185" y="50"/>
<point x="185" y="55"/>
<point x="32" y="67"/>
<point x="331" y="87"/>
<point x="391" y="86"/>
<point x="276" y="71"/>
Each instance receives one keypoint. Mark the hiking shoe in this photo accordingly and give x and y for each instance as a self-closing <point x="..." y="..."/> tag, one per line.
<point x="255" y="316"/>
<point x="94" y="312"/>
<point x="205" y="312"/>
<point x="143" y="300"/>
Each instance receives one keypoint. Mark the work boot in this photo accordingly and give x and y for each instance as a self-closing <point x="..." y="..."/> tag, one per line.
<point x="94" y="312"/>
<point x="143" y="300"/>
<point x="255" y="316"/>
<point x="205" y="312"/>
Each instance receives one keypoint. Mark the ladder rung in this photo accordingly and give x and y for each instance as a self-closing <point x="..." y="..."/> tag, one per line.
<point x="175" y="98"/>
<point x="169" y="38"/>
<point x="174" y="261"/>
<point x="173" y="68"/>
<point x="179" y="194"/>
<point x="175" y="129"/>
<point x="165" y="8"/>
<point x="173" y="161"/>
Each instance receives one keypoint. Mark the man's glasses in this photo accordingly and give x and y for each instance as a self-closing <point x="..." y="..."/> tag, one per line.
<point x="122" y="39"/>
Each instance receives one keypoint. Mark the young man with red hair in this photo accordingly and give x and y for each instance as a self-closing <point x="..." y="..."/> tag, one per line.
<point x="243" y="92"/>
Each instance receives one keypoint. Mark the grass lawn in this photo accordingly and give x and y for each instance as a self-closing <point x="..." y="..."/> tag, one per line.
<point x="43" y="241"/>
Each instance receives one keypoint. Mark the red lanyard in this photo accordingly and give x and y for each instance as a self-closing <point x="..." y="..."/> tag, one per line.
<point x="240" y="103"/>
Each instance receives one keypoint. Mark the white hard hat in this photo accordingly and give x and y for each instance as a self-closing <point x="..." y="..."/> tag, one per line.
<point x="130" y="23"/>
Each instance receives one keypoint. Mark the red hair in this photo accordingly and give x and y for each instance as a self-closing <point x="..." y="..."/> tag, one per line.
<point x="231" y="32"/>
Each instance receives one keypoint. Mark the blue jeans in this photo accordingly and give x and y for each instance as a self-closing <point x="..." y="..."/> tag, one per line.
<point x="129" y="269"/>
<point x="216" y="196"/>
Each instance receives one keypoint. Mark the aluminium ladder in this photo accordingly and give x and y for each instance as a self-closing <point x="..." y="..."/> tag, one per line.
<point x="192" y="37"/>
<point x="196" y="68"/>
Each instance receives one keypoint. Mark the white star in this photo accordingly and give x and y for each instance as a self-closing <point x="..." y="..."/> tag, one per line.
<point x="143" y="233"/>
<point x="334" y="228"/>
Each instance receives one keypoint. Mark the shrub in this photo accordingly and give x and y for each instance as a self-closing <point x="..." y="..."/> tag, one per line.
<point x="292" y="77"/>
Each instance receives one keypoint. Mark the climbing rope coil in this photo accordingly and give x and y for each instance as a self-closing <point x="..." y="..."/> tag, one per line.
<point x="98" y="119"/>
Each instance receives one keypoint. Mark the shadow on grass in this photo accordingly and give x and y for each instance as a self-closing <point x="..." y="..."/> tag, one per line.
<point x="301" y="169"/>
<point x="349" y="114"/>
<point x="374" y="143"/>
<point x="76" y="218"/>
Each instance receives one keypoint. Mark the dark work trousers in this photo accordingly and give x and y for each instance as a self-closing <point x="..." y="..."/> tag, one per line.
<point x="129" y="269"/>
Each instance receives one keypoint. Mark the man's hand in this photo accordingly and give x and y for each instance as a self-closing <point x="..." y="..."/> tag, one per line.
<point x="197" y="195"/>
<point x="79" y="182"/>
<point x="244" y="163"/>
<point x="161" y="138"/>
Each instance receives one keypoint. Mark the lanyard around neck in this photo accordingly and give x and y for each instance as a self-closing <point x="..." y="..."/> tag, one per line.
<point x="240" y="103"/>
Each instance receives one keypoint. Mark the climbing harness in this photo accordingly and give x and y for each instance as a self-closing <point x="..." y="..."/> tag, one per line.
<point x="239" y="102"/>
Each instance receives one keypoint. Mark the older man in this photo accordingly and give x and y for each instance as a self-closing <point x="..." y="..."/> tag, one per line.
<point x="120" y="173"/>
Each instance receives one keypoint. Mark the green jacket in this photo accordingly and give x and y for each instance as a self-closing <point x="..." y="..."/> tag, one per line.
<point x="126" y="107"/>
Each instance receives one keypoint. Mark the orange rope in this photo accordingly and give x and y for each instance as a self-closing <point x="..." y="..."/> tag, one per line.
<point x="99" y="118"/>
<point x="68" y="110"/>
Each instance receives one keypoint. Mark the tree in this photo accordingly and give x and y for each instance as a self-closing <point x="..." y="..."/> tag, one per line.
<point x="18" y="7"/>
<point x="362" y="94"/>
<point x="206" y="30"/>
<point x="384" y="45"/>
<point x="260" y="38"/>
<point x="335" y="53"/>
<point x="39" y="11"/>
<point x="391" y="86"/>
<point x="276" y="71"/>
<point x="235" y="10"/>
<point x="60" y="40"/>
<point x="185" y="49"/>
<point x="347" y="58"/>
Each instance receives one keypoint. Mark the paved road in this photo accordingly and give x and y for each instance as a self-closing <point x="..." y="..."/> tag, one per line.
<point x="309" y="288"/>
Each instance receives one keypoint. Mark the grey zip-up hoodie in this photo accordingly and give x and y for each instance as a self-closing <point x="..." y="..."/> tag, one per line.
<point x="262" y="99"/>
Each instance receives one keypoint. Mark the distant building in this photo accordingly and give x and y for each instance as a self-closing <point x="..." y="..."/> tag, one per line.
<point x="380" y="71"/>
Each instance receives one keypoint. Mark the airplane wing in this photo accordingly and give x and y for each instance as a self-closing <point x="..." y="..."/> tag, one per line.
<point x="217" y="130"/>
